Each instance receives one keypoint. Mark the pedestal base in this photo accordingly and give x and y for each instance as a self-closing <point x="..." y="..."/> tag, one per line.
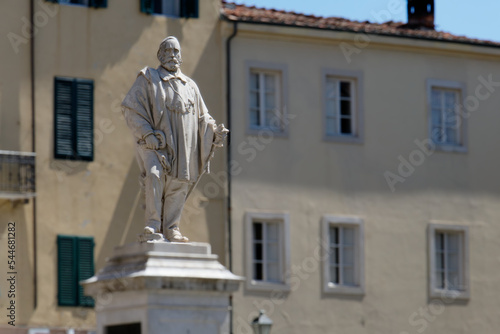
<point x="163" y="288"/>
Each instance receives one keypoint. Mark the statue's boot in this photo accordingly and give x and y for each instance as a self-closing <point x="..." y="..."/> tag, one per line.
<point x="151" y="233"/>
<point x="149" y="230"/>
<point x="152" y="227"/>
<point x="174" y="235"/>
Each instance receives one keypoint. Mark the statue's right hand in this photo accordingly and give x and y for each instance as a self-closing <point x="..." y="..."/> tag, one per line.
<point x="152" y="142"/>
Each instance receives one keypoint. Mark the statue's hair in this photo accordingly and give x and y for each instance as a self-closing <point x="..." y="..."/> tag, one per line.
<point x="161" y="55"/>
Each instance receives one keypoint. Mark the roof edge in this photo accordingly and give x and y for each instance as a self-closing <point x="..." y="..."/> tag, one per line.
<point x="232" y="12"/>
<point x="461" y="42"/>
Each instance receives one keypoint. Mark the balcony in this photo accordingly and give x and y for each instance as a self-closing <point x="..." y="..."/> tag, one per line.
<point x="17" y="175"/>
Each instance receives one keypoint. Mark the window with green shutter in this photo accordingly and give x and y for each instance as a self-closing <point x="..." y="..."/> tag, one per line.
<point x="147" y="6"/>
<point x="190" y="8"/>
<point x="175" y="8"/>
<point x="75" y="263"/>
<point x="87" y="3"/>
<point x="73" y="119"/>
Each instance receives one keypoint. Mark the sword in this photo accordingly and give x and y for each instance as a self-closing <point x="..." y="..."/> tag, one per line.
<point x="223" y="131"/>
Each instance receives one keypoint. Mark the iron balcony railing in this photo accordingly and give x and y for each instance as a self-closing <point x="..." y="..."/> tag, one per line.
<point x="17" y="174"/>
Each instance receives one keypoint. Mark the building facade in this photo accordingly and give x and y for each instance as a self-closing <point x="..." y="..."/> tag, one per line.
<point x="85" y="56"/>
<point x="363" y="188"/>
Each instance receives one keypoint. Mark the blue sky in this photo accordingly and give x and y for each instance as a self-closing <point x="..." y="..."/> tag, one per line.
<point x="478" y="18"/>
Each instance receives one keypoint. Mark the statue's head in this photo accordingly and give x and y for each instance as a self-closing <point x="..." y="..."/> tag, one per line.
<point x="169" y="53"/>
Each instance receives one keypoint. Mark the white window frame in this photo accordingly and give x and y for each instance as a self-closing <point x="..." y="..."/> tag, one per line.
<point x="280" y="70"/>
<point x="459" y="147"/>
<point x="434" y="291"/>
<point x="339" y="221"/>
<point x="356" y="80"/>
<point x="284" y="238"/>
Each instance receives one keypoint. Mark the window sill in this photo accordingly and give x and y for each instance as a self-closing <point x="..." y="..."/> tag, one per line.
<point x="73" y="306"/>
<point x="449" y="148"/>
<point x="266" y="286"/>
<point x="331" y="288"/>
<point x="267" y="131"/>
<point x="450" y="294"/>
<point x="168" y="16"/>
<point x="73" y="158"/>
<point x="74" y="5"/>
<point x="343" y="139"/>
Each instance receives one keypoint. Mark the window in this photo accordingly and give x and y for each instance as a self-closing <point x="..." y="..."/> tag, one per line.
<point x="342" y="106"/>
<point x="264" y="100"/>
<point x="75" y="263"/>
<point x="446" y="124"/>
<point x="175" y="8"/>
<point x="343" y="268"/>
<point x="267" y="251"/>
<point x="265" y="97"/>
<point x="86" y="3"/>
<point x="73" y="120"/>
<point x="134" y="328"/>
<point x="448" y="261"/>
<point x="445" y="130"/>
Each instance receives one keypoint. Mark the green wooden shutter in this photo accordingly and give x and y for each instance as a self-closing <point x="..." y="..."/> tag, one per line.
<point x="85" y="267"/>
<point x="190" y="8"/>
<point x="147" y="6"/>
<point x="98" y="3"/>
<point x="75" y="263"/>
<point x="84" y="119"/>
<point x="63" y="118"/>
<point x="67" y="293"/>
<point x="74" y="119"/>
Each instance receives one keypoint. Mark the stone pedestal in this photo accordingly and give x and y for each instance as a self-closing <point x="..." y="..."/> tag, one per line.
<point x="162" y="287"/>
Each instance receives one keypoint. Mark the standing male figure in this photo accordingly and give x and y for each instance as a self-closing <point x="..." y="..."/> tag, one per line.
<point x="175" y="136"/>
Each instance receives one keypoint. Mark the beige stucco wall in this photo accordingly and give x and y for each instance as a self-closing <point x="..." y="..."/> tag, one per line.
<point x="308" y="177"/>
<point x="15" y="135"/>
<point x="99" y="198"/>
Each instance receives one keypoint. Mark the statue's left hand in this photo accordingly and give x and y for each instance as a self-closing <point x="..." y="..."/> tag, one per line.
<point x="220" y="134"/>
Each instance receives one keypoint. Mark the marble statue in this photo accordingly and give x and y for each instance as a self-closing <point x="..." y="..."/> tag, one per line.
<point x="175" y="139"/>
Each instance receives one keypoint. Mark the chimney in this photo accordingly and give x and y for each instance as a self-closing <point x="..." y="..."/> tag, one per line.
<point x="421" y="14"/>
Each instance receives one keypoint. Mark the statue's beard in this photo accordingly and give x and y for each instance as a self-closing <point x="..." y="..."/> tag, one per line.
<point x="172" y="64"/>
